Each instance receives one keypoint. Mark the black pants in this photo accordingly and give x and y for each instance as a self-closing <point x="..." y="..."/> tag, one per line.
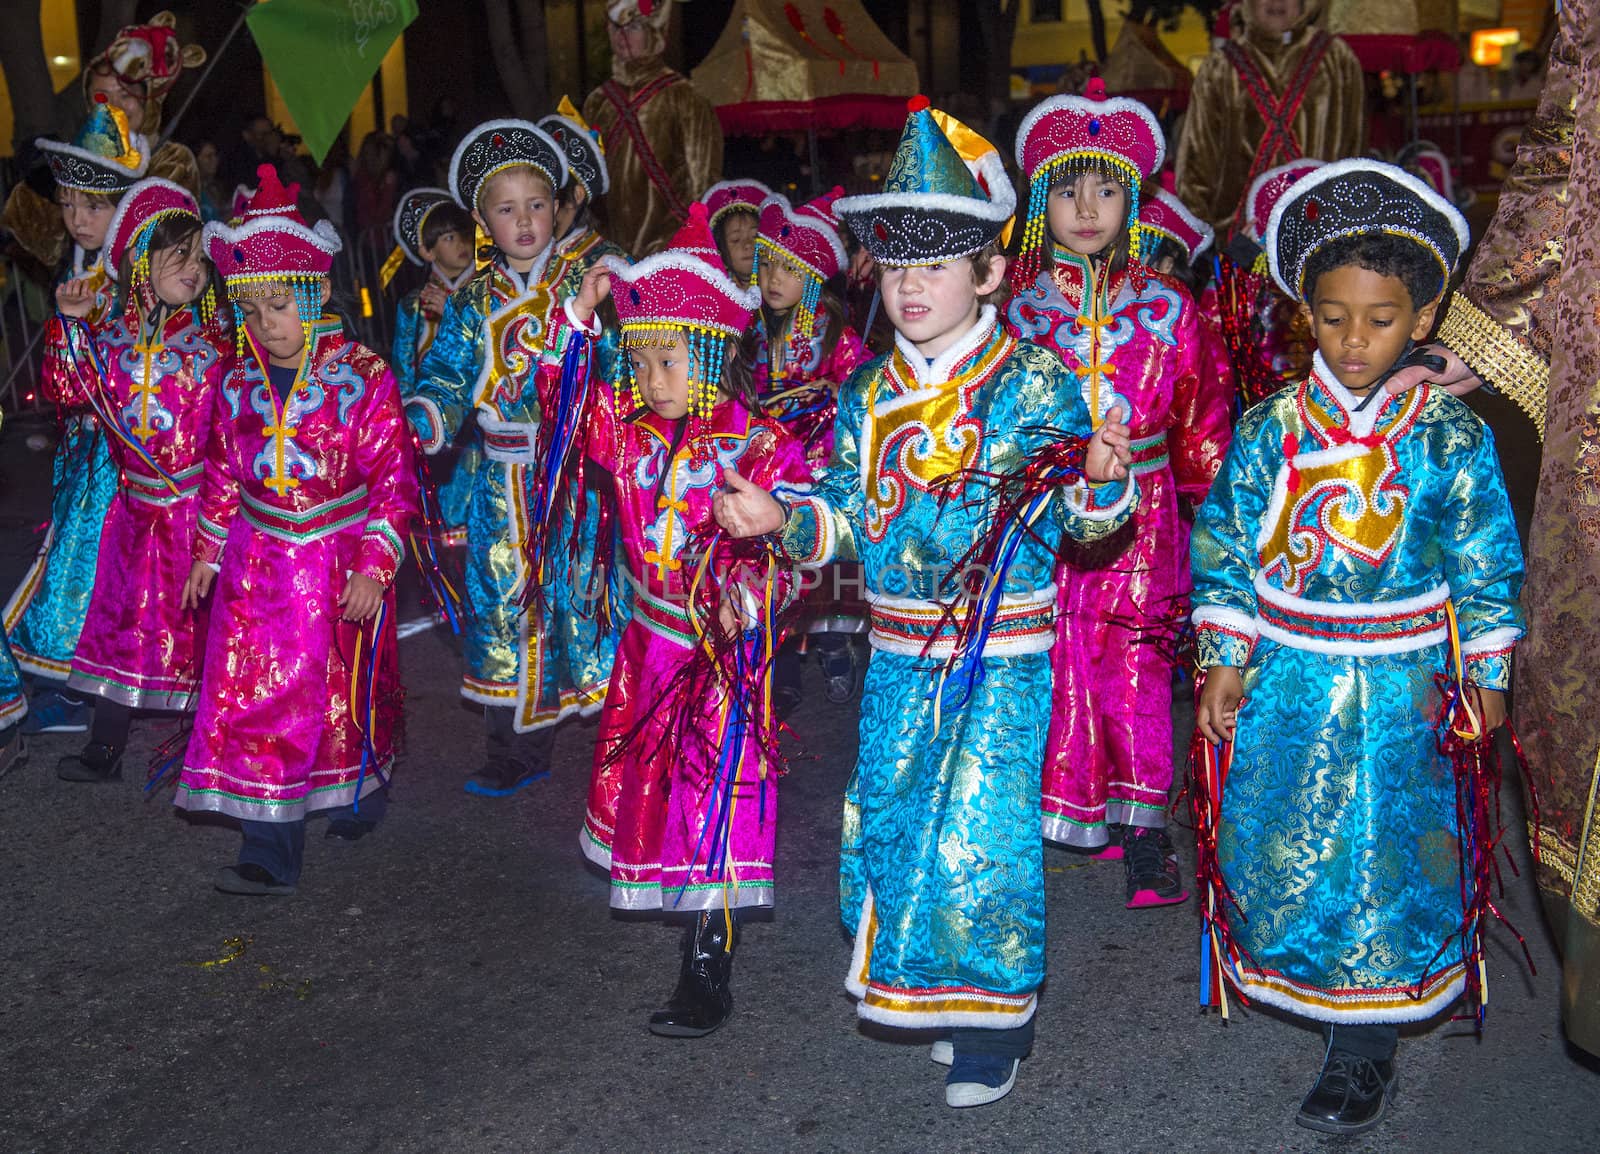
<point x="1013" y="1043"/>
<point x="279" y="847"/>
<point x="112" y="721"/>
<point x="529" y="750"/>
<point x="1376" y="1042"/>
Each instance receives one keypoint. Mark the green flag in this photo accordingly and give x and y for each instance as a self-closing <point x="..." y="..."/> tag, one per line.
<point x="323" y="53"/>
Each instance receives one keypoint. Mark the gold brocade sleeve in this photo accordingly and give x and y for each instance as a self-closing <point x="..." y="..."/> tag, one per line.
<point x="1502" y="321"/>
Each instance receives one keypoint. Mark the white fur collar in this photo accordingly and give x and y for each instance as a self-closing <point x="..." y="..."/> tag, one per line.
<point x="937" y="371"/>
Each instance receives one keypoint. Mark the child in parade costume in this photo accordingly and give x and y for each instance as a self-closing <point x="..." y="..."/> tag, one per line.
<point x="800" y="350"/>
<point x="431" y="229"/>
<point x="942" y="871"/>
<point x="45" y="615"/>
<point x="309" y="491"/>
<point x="1134" y="342"/>
<point x="735" y="208"/>
<point x="682" y="806"/>
<point x="1175" y="241"/>
<point x="1356" y="557"/>
<point x="151" y="375"/>
<point x="1266" y="332"/>
<point x="528" y="667"/>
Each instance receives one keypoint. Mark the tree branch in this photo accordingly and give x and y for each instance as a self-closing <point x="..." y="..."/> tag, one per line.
<point x="27" y="75"/>
<point x="507" y="60"/>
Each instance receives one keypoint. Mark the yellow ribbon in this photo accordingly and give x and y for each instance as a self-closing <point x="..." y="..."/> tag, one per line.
<point x="390" y="267"/>
<point x="970" y="147"/>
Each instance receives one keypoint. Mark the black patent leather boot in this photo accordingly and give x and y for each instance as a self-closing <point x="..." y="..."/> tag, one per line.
<point x="703" y="999"/>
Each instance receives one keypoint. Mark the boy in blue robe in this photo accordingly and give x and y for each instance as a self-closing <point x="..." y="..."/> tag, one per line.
<point x="1355" y="549"/>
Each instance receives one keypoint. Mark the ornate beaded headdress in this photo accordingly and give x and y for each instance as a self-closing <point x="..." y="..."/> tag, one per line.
<point x="272" y="246"/>
<point x="144" y="206"/>
<point x="1066" y="136"/>
<point x="581" y="145"/>
<point x="682" y="294"/>
<point x="1164" y="215"/>
<point x="1353" y="198"/>
<point x="807" y="237"/>
<point x="734" y="196"/>
<point x="497" y="145"/>
<point x="410" y="215"/>
<point x="1267" y="189"/>
<point x="105" y="157"/>
<point x="947" y="195"/>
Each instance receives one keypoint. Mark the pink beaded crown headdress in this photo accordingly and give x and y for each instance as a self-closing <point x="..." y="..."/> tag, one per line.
<point x="806" y="237"/>
<point x="1164" y="215"/>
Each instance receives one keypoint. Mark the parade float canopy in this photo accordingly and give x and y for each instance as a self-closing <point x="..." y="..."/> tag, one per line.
<point x="806" y="65"/>
<point x="1140" y="67"/>
<point x="1393" y="36"/>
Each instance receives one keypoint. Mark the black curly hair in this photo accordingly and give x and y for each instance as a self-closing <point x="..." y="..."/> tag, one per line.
<point x="1382" y="253"/>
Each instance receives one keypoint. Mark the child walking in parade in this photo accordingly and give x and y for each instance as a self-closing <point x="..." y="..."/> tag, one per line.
<point x="735" y="208"/>
<point x="431" y="229"/>
<point x="44" y="617"/>
<point x="151" y="376"/>
<point x="801" y="349"/>
<point x="308" y="492"/>
<point x="523" y="665"/>
<point x="1356" y="575"/>
<point x="942" y="870"/>
<point x="682" y="805"/>
<point x="1132" y="339"/>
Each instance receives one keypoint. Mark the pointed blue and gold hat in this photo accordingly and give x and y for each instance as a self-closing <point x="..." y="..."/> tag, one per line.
<point x="105" y="157"/>
<point x="947" y="195"/>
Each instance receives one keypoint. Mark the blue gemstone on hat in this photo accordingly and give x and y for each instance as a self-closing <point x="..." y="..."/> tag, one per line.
<point x="1094" y="126"/>
<point x="633" y="295"/>
<point x="238" y="255"/>
<point x="784" y="231"/>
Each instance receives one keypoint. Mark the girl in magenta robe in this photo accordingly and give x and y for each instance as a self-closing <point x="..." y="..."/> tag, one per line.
<point x="309" y="490"/>
<point x="683" y="809"/>
<point x="163" y="357"/>
<point x="1134" y="339"/>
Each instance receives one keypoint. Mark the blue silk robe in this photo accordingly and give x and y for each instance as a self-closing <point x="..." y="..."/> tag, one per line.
<point x="942" y="870"/>
<point x="1323" y="563"/>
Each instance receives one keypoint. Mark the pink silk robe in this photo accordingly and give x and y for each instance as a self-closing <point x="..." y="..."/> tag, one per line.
<point x="652" y="786"/>
<point x="803" y="391"/>
<point x="1136" y="343"/>
<point x="138" y="646"/>
<point x="295" y="498"/>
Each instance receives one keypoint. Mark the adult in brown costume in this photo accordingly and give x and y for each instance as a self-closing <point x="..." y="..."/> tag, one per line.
<point x="1524" y="323"/>
<point x="1280" y="89"/>
<point x="663" y="142"/>
<point x="135" y="72"/>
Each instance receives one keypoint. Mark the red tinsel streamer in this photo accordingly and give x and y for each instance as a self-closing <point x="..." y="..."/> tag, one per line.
<point x="1238" y="289"/>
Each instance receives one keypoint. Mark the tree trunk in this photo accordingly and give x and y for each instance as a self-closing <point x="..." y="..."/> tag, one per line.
<point x="27" y="75"/>
<point x="535" y="52"/>
<point x="508" y="61"/>
<point x="998" y="27"/>
<point x="1097" y="30"/>
<point x="115" y="15"/>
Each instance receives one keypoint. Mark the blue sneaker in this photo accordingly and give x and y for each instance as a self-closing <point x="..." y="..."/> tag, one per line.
<point x="54" y="712"/>
<point x="979" y="1079"/>
<point x="503" y="777"/>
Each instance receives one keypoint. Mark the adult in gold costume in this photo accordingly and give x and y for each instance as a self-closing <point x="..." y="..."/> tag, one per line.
<point x="663" y="142"/>
<point x="135" y="72"/>
<point x="1280" y="89"/>
<point x="1525" y="323"/>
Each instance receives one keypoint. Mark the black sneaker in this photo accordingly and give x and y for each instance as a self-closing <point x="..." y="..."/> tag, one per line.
<point x="97" y="762"/>
<point x="838" y="672"/>
<point x="1152" y="868"/>
<point x="503" y="777"/>
<point x="348" y="829"/>
<point x="1351" y="1095"/>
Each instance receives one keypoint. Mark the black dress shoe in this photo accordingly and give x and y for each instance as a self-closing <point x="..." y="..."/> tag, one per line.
<point x="1351" y="1095"/>
<point x="348" y="829"/>
<point x="251" y="880"/>
<point x="703" y="999"/>
<point x="97" y="762"/>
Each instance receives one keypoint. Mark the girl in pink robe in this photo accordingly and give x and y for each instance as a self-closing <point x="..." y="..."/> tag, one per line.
<point x="682" y="807"/>
<point x="163" y="358"/>
<point x="1135" y="341"/>
<point x="308" y="492"/>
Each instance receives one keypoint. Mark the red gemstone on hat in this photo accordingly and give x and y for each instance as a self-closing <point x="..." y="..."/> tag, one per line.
<point x="497" y="140"/>
<point x="879" y="231"/>
<point x="1312" y="211"/>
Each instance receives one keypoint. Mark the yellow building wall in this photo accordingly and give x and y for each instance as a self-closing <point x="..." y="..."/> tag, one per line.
<point x="58" y="20"/>
<point x="1060" y="41"/>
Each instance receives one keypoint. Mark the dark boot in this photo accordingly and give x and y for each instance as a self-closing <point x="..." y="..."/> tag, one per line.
<point x="1351" y="1095"/>
<point x="703" y="999"/>
<point x="97" y="762"/>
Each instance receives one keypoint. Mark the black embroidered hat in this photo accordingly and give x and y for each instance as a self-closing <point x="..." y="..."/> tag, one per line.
<point x="581" y="145"/>
<point x="497" y="145"/>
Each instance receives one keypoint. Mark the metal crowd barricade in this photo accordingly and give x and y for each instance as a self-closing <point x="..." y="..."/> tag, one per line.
<point x="24" y="307"/>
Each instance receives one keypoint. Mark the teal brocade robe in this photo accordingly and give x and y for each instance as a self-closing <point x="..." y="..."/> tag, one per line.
<point x="942" y="871"/>
<point x="1323" y="563"/>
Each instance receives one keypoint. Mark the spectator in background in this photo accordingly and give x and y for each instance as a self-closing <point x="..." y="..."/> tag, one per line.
<point x="333" y="184"/>
<point x="215" y="199"/>
<point x="375" y="185"/>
